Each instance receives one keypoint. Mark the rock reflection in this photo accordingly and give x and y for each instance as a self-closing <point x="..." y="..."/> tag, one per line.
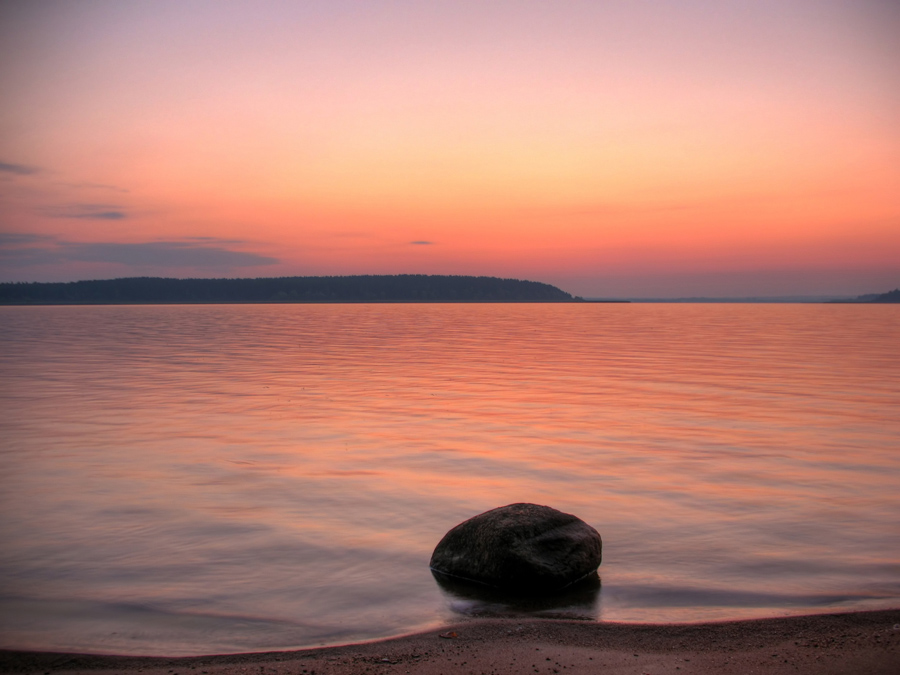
<point x="578" y="601"/>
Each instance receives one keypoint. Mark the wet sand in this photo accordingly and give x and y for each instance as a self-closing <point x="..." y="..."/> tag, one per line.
<point x="853" y="643"/>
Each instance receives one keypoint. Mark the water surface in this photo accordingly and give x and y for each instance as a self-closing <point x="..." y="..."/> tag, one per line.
<point x="223" y="478"/>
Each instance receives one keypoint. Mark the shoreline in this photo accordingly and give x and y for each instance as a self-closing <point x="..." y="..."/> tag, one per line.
<point x="851" y="642"/>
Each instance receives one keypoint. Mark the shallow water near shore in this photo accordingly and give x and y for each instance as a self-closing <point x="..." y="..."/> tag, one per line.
<point x="227" y="478"/>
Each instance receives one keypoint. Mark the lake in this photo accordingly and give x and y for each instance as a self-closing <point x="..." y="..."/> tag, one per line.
<point x="226" y="478"/>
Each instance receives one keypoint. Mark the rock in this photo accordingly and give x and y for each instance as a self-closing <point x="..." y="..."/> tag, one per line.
<point x="523" y="548"/>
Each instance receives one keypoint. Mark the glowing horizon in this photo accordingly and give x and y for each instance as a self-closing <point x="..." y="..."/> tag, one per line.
<point x="628" y="149"/>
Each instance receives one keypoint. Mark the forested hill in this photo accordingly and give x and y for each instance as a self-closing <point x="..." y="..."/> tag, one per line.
<point x="369" y="288"/>
<point x="890" y="296"/>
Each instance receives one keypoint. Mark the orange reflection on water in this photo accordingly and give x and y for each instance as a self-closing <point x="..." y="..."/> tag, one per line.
<point x="298" y="463"/>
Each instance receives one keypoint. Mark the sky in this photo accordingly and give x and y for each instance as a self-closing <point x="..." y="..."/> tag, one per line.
<point x="615" y="149"/>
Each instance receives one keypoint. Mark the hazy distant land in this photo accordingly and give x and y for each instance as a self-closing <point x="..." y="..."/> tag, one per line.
<point x="337" y="289"/>
<point x="362" y="288"/>
<point x="890" y="296"/>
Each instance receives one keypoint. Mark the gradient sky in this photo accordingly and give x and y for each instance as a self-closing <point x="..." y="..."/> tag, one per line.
<point x="615" y="149"/>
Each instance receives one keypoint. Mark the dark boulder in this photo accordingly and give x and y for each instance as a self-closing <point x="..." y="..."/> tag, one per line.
<point x="523" y="548"/>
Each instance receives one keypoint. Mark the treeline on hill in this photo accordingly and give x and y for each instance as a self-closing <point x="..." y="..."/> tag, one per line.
<point x="367" y="288"/>
<point x="890" y="296"/>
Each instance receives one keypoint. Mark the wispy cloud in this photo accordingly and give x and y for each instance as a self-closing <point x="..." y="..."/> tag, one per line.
<point x="166" y="254"/>
<point x="103" y="215"/>
<point x="24" y="250"/>
<point x="18" y="169"/>
<point x="214" y="240"/>
<point x="15" y="238"/>
<point x="88" y="211"/>
<point x="422" y="243"/>
<point x="93" y="186"/>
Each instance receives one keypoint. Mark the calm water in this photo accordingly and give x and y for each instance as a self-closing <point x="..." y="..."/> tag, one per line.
<point x="195" y="479"/>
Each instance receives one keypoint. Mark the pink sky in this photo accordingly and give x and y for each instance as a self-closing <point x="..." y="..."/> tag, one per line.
<point x="631" y="149"/>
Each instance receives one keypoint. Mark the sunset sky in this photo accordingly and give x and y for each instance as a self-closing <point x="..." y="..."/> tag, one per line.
<point x="615" y="149"/>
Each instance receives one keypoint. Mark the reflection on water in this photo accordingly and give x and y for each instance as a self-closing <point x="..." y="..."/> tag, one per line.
<point x="189" y="479"/>
<point x="578" y="601"/>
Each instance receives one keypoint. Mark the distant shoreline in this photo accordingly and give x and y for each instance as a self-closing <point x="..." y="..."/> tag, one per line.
<point x="354" y="289"/>
<point x="401" y="288"/>
<point x="306" y="302"/>
<point x="579" y="301"/>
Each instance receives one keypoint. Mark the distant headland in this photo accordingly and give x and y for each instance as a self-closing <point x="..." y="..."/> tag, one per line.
<point x="890" y="296"/>
<point x="337" y="289"/>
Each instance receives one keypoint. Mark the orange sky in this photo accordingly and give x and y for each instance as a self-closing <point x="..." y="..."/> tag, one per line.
<point x="632" y="149"/>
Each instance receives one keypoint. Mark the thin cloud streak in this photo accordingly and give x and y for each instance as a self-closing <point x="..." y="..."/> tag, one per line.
<point x="98" y="215"/>
<point x="167" y="254"/>
<point x="18" y="169"/>
<point x="93" y="186"/>
<point x="24" y="250"/>
<point x="89" y="212"/>
<point x="13" y="238"/>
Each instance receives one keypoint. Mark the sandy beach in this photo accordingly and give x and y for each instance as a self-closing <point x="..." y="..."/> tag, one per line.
<point x="857" y="642"/>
